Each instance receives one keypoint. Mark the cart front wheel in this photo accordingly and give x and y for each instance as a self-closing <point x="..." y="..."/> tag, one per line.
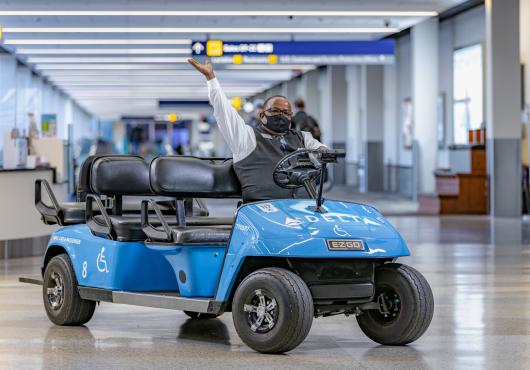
<point x="406" y="306"/>
<point x="62" y="302"/>
<point x="272" y="310"/>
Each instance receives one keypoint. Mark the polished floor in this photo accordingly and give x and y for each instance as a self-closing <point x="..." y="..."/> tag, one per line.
<point x="479" y="272"/>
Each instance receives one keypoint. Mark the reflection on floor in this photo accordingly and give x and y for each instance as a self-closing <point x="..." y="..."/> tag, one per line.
<point x="479" y="273"/>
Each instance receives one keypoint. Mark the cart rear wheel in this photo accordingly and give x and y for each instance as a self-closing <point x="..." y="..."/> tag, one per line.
<point x="62" y="302"/>
<point x="406" y="306"/>
<point x="272" y="310"/>
<point x="200" y="315"/>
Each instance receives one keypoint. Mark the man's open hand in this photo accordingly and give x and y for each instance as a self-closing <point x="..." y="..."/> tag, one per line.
<point x="206" y="69"/>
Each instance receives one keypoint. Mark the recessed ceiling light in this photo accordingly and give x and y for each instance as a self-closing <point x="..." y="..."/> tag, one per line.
<point x="163" y="67"/>
<point x="222" y="13"/>
<point x="106" y="60"/>
<point x="200" y="30"/>
<point x="97" y="42"/>
<point x="102" y="51"/>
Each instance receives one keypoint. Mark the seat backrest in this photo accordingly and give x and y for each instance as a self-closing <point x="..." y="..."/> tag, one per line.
<point x="183" y="176"/>
<point x="120" y="175"/>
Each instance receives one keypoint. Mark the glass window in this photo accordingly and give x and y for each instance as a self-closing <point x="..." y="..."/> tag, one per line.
<point x="467" y="92"/>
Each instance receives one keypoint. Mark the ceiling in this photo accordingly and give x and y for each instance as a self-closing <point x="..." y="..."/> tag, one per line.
<point x="120" y="57"/>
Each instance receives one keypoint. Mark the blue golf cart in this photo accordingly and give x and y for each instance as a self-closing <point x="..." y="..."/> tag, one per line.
<point x="141" y="235"/>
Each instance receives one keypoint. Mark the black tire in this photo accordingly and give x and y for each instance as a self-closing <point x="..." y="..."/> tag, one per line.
<point x="290" y="309"/>
<point x="67" y="308"/>
<point x="410" y="306"/>
<point x="201" y="315"/>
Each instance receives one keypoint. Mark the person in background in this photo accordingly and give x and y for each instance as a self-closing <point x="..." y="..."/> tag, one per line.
<point x="135" y="138"/>
<point x="304" y="121"/>
<point x="254" y="119"/>
<point x="33" y="133"/>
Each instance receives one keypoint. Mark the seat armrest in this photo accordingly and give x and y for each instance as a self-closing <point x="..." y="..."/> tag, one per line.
<point x="50" y="213"/>
<point x="101" y="229"/>
<point x="162" y="233"/>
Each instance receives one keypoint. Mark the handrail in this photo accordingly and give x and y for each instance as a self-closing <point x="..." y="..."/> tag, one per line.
<point x="94" y="225"/>
<point x="48" y="213"/>
<point x="155" y="233"/>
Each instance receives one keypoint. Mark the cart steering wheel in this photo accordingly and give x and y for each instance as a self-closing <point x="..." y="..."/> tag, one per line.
<point x="298" y="168"/>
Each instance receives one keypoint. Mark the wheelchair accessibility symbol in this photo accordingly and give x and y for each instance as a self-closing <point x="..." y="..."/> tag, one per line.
<point x="340" y="231"/>
<point x="101" y="263"/>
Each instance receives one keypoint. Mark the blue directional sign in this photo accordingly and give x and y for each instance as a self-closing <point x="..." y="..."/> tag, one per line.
<point x="300" y="52"/>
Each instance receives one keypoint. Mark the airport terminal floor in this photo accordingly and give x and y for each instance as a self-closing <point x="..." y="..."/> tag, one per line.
<point x="479" y="274"/>
<point x="234" y="184"/>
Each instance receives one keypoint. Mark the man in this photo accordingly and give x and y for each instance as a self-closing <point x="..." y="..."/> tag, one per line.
<point x="256" y="151"/>
<point x="305" y="122"/>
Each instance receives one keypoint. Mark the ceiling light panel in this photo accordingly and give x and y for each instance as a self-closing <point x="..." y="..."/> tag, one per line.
<point x="106" y="60"/>
<point x="102" y="51"/>
<point x="97" y="42"/>
<point x="200" y="30"/>
<point x="222" y="13"/>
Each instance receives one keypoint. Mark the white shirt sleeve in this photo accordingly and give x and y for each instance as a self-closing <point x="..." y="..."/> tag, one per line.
<point x="239" y="137"/>
<point x="310" y="142"/>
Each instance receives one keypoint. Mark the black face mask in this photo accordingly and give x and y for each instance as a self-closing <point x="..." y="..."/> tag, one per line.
<point x="278" y="123"/>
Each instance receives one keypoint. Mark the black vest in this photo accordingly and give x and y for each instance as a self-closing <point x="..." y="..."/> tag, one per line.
<point x="255" y="171"/>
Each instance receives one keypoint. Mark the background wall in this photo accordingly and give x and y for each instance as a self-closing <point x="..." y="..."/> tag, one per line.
<point x="23" y="92"/>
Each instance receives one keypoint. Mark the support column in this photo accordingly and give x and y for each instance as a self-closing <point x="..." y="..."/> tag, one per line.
<point x="424" y="39"/>
<point x="310" y="94"/>
<point x="333" y="88"/>
<point x="372" y="127"/>
<point x="525" y="60"/>
<point x="503" y="99"/>
<point x="391" y="130"/>
<point x="353" y="131"/>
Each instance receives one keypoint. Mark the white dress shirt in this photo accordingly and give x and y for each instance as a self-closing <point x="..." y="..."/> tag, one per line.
<point x="239" y="136"/>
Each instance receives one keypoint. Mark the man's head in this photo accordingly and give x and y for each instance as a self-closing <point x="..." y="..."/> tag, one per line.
<point x="276" y="115"/>
<point x="299" y="104"/>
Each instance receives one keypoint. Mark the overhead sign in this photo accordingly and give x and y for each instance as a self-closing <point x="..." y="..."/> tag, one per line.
<point x="296" y="52"/>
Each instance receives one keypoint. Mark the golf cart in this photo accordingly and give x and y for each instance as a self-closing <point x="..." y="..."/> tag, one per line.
<point x="136" y="237"/>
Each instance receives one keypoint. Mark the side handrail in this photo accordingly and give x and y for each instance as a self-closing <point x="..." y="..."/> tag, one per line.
<point x="154" y="233"/>
<point x="202" y="207"/>
<point x="51" y="212"/>
<point x="96" y="226"/>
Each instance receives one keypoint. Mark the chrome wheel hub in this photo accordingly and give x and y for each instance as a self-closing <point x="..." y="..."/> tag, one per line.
<point x="262" y="311"/>
<point x="55" y="291"/>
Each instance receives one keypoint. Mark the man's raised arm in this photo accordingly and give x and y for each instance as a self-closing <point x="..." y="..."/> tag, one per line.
<point x="239" y="137"/>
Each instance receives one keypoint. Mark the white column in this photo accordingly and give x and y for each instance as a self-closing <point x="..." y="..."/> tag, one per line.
<point x="424" y="39"/>
<point x="325" y="88"/>
<point x="503" y="120"/>
<point x="372" y="127"/>
<point x="353" y="130"/>
<point x="525" y="60"/>
<point x="391" y="130"/>
<point x="311" y="93"/>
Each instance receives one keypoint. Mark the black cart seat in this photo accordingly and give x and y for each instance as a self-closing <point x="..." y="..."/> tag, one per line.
<point x="72" y="213"/>
<point x="128" y="227"/>
<point x="182" y="177"/>
<point x="120" y="177"/>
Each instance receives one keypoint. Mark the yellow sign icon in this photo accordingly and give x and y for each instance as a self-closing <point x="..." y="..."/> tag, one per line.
<point x="1" y="33"/>
<point x="273" y="59"/>
<point x="236" y="103"/>
<point x="214" y="48"/>
<point x="238" y="59"/>
<point x="172" y="117"/>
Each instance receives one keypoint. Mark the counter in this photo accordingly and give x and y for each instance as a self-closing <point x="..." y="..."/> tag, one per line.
<point x="18" y="217"/>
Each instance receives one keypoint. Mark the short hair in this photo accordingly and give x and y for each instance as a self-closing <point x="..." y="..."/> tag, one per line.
<point x="299" y="103"/>
<point x="266" y="102"/>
